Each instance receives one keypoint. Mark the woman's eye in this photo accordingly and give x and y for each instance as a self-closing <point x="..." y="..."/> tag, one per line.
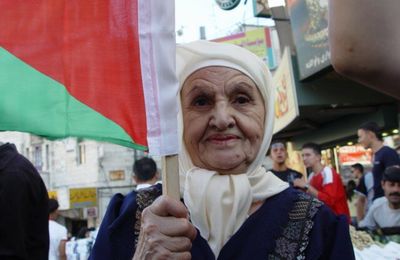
<point x="201" y="101"/>
<point x="242" y="99"/>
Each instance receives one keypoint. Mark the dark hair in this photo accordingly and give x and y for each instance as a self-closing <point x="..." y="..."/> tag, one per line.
<point x="53" y="205"/>
<point x="359" y="167"/>
<point x="372" y="127"/>
<point x="276" y="141"/>
<point x="145" y="169"/>
<point x="351" y="185"/>
<point x="392" y="173"/>
<point x="313" y="146"/>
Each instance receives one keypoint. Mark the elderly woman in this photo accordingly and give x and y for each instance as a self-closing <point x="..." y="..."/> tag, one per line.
<point x="232" y="208"/>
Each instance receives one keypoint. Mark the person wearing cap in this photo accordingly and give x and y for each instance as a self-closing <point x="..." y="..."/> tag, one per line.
<point x="279" y="155"/>
<point x="383" y="156"/>
<point x="385" y="211"/>
<point x="364" y="189"/>
<point x="231" y="207"/>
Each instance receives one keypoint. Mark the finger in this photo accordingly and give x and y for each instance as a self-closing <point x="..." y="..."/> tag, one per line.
<point x="174" y="255"/>
<point x="178" y="244"/>
<point x="169" y="226"/>
<point x="172" y="244"/>
<point x="181" y="256"/>
<point x="166" y="206"/>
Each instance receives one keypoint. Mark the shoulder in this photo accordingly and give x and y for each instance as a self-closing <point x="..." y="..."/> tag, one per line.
<point x="378" y="203"/>
<point x="386" y="151"/>
<point x="56" y="227"/>
<point x="122" y="209"/>
<point x="328" y="175"/>
<point x="298" y="232"/>
<point x="295" y="172"/>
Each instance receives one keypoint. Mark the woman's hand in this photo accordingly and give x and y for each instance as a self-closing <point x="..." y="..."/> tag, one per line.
<point x="166" y="232"/>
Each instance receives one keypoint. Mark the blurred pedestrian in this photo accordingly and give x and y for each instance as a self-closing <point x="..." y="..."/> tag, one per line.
<point x="145" y="173"/>
<point x="383" y="156"/>
<point x="279" y="155"/>
<point x="24" y="232"/>
<point x="323" y="183"/>
<point x="364" y="189"/>
<point x="58" y="233"/>
<point x="385" y="212"/>
<point x="351" y="200"/>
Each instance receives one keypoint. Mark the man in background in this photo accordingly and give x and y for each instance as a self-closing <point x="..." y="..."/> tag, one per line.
<point x="324" y="183"/>
<point x="279" y="155"/>
<point x="364" y="189"/>
<point x="24" y="232"/>
<point x="145" y="173"/>
<point x="383" y="156"/>
<point x="385" y="211"/>
<point x="57" y="232"/>
<point x="115" y="221"/>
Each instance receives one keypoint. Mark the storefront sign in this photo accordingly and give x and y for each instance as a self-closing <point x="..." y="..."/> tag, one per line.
<point x="352" y="154"/>
<point x="309" y="20"/>
<point x="286" y="107"/>
<point x="257" y="41"/>
<point x="82" y="197"/>
<point x="117" y="175"/>
<point x="227" y="4"/>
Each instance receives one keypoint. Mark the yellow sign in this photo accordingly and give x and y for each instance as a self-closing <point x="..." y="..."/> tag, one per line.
<point x="82" y="197"/>
<point x="52" y="194"/>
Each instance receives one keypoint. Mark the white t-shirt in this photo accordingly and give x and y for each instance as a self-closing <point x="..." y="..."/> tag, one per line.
<point x="57" y="233"/>
<point x="381" y="215"/>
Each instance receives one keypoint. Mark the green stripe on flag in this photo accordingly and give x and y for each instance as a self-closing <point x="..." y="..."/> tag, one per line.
<point x="32" y="102"/>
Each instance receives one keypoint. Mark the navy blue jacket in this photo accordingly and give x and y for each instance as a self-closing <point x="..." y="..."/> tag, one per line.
<point x="259" y="235"/>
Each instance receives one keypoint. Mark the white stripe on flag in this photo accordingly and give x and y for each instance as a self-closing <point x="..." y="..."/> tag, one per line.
<point x="160" y="85"/>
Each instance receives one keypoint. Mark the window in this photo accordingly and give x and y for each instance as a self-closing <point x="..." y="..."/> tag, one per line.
<point x="81" y="153"/>
<point x="47" y="157"/>
<point x="37" y="157"/>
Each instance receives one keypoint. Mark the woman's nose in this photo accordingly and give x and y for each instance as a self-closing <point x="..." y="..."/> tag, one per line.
<point x="222" y="117"/>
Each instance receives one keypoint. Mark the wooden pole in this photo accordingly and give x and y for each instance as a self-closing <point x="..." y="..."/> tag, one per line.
<point x="170" y="176"/>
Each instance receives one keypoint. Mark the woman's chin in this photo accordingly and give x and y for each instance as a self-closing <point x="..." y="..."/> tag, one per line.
<point x="227" y="165"/>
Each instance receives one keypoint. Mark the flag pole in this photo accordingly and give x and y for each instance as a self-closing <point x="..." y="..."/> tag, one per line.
<point x="170" y="176"/>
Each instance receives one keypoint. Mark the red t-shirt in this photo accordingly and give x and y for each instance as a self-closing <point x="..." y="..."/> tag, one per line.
<point x="330" y="190"/>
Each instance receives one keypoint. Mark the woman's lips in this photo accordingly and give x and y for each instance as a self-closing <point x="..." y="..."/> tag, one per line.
<point x="221" y="139"/>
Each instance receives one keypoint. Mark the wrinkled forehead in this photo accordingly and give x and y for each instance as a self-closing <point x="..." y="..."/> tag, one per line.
<point x="212" y="64"/>
<point x="219" y="74"/>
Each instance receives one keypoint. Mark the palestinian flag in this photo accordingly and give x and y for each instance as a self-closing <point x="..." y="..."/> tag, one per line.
<point x="90" y="69"/>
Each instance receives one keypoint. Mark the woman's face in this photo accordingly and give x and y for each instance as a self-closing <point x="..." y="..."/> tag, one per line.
<point x="223" y="119"/>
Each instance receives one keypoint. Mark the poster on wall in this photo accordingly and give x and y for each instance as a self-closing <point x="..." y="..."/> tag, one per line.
<point x="258" y="41"/>
<point x="309" y="20"/>
<point x="286" y="106"/>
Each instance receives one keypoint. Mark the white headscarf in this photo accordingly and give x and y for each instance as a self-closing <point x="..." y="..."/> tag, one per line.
<point x="219" y="204"/>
